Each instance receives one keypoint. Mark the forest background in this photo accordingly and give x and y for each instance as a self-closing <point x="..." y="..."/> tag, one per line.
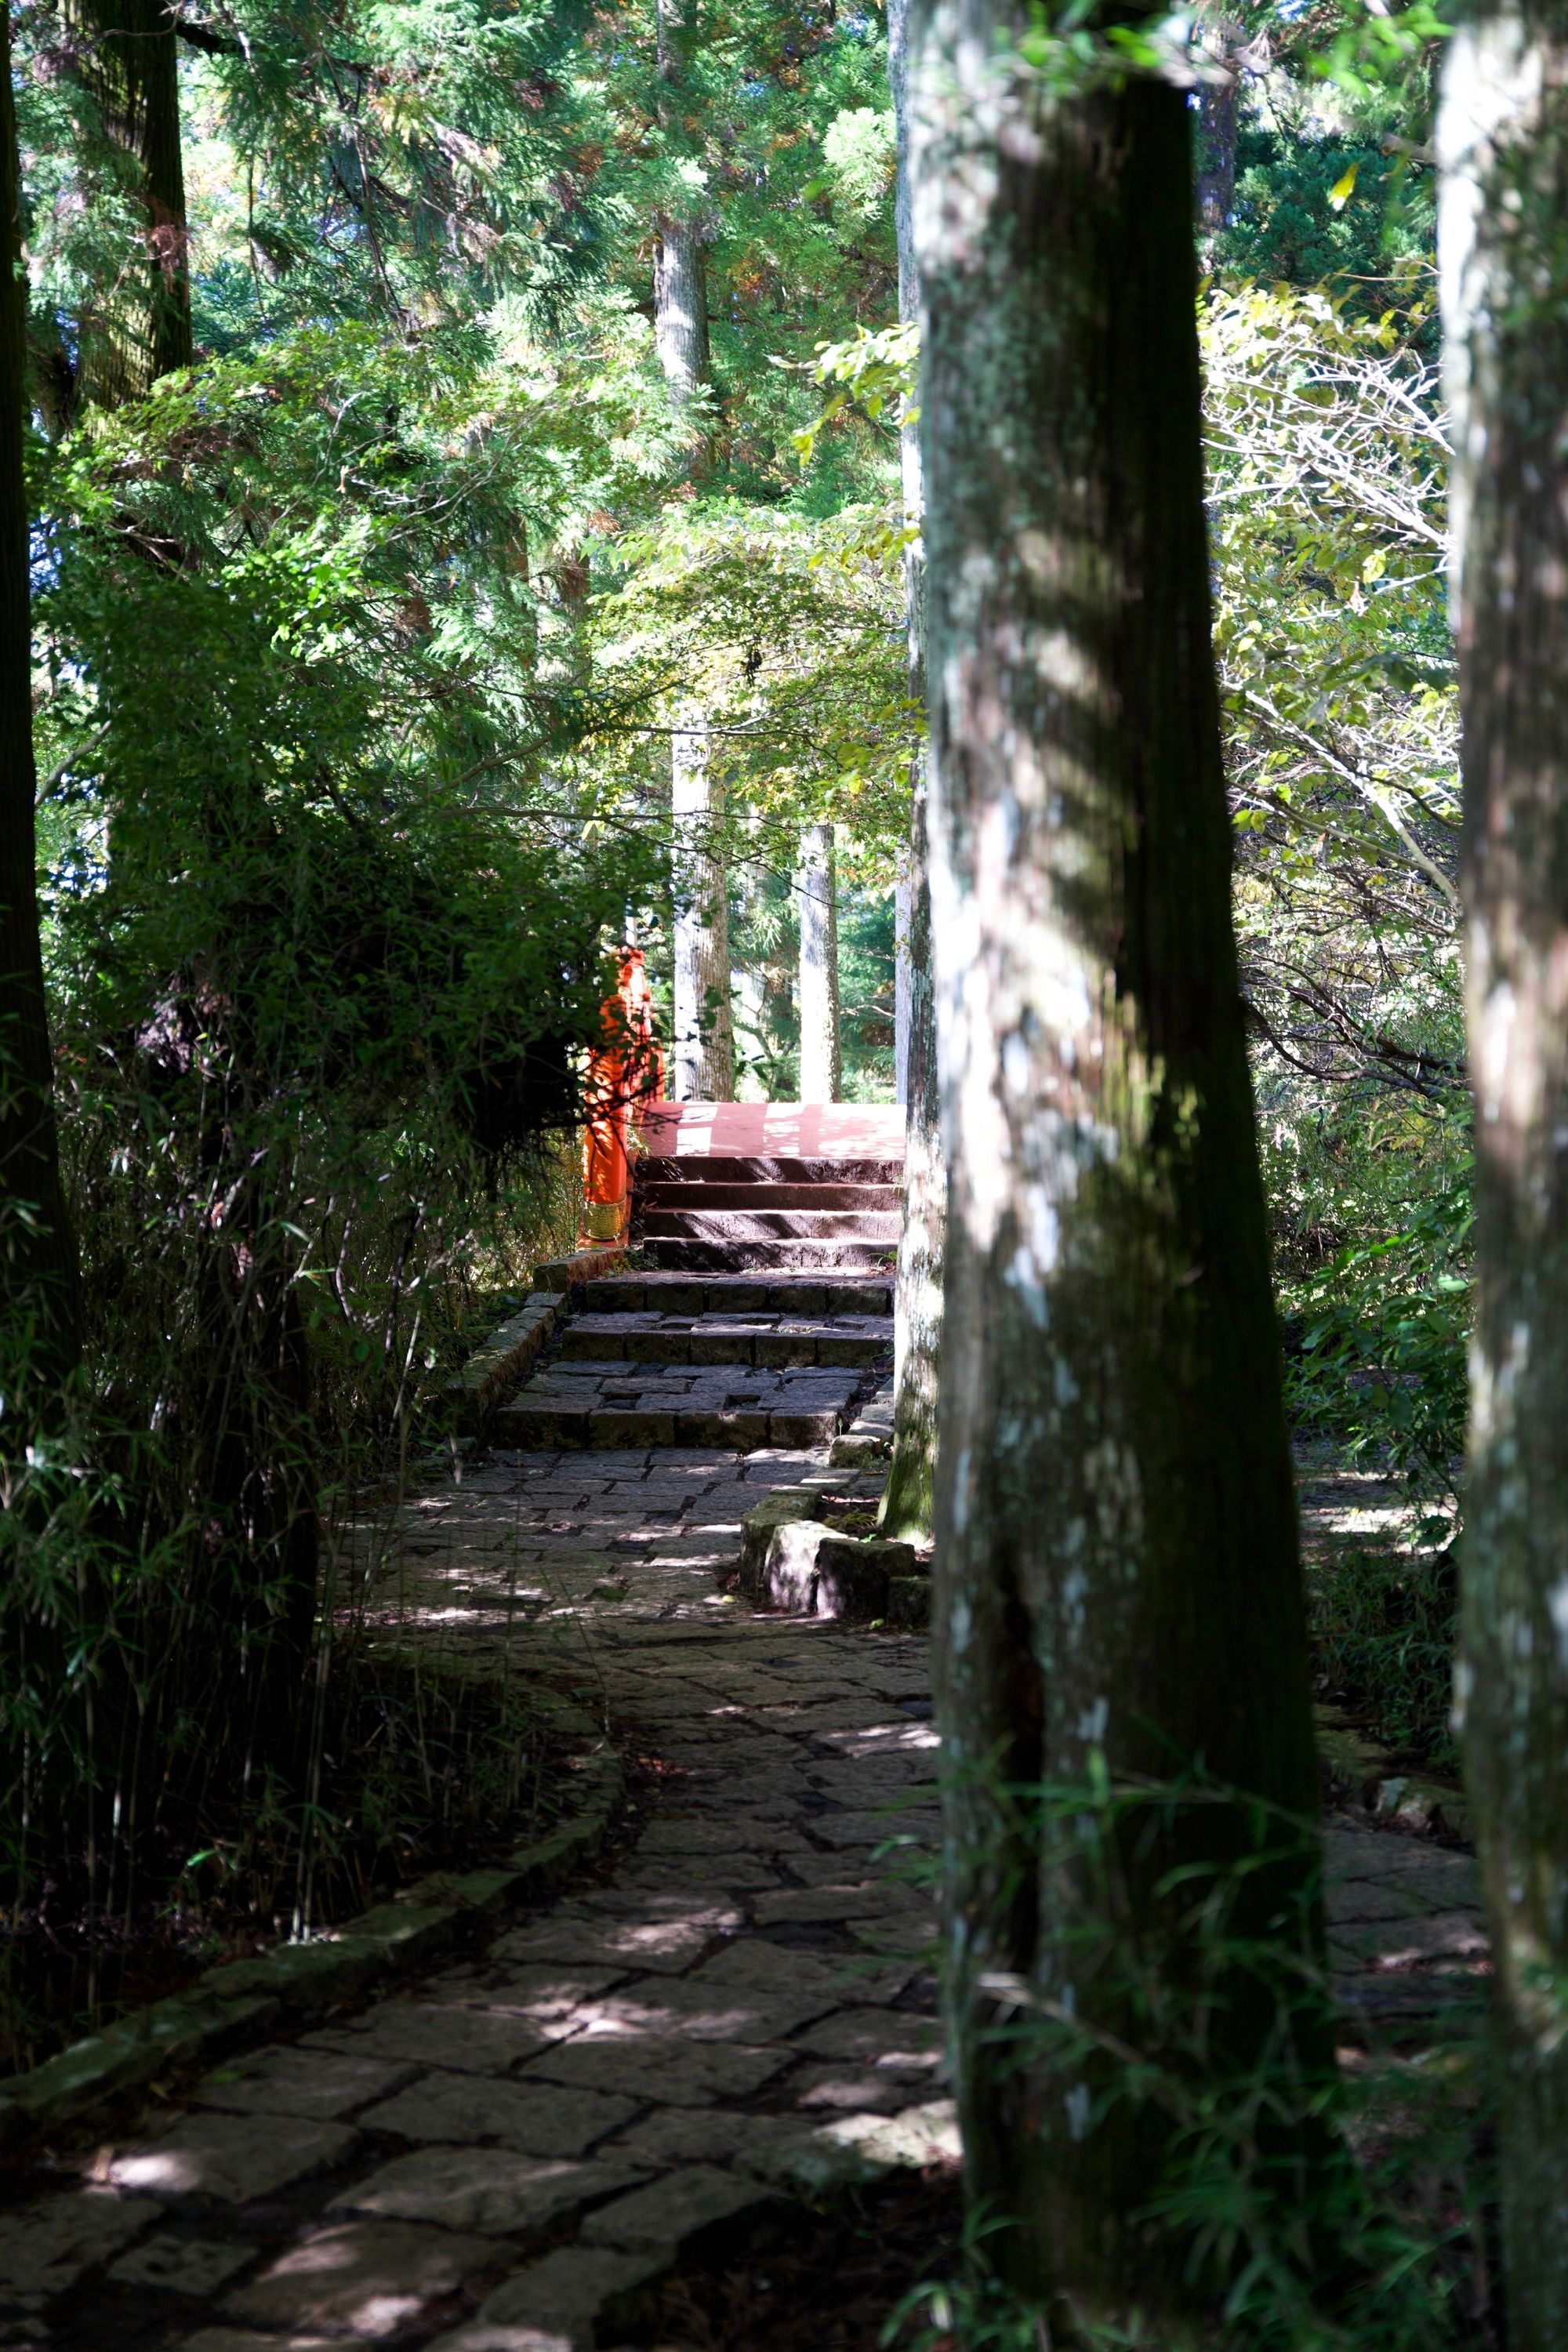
<point x="383" y="543"/>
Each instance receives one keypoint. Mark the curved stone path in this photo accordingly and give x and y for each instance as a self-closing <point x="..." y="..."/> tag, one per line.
<point x="501" y="2157"/>
<point x="496" y="2160"/>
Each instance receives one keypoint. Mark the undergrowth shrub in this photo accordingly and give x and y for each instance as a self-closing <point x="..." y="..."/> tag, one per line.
<point x="1345" y="2208"/>
<point x="1376" y="1349"/>
<point x="1384" y="1626"/>
<point x="320" y="987"/>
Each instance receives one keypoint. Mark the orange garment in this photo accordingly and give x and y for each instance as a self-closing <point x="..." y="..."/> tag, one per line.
<point x="626" y="1070"/>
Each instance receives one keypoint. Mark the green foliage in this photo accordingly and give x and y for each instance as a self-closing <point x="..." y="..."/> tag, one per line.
<point x="1286" y="229"/>
<point x="1382" y="1347"/>
<point x="1284" y="2206"/>
<point x="1384" y="1626"/>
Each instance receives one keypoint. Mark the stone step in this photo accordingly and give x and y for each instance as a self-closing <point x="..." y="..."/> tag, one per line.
<point x="686" y="1257"/>
<point x="533" y="1428"/>
<point x="643" y="1337"/>
<point x="886" y="1198"/>
<point x="773" y="1225"/>
<point x="776" y="1292"/>
<point x="701" y="1170"/>
<point x="740" y="1406"/>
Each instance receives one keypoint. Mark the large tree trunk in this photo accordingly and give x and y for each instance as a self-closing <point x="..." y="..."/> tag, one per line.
<point x="704" y="1047"/>
<point x="1117" y="1578"/>
<point x="1214" y="189"/>
<point x="137" y="328"/>
<point x="821" y="1066"/>
<point x="1503" y="254"/>
<point x="906" y="1507"/>
<point x="39" y="1301"/>
<point x="681" y="305"/>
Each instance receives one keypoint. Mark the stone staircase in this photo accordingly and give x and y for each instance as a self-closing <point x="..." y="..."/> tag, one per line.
<point x="762" y="1318"/>
<point x="761" y="1214"/>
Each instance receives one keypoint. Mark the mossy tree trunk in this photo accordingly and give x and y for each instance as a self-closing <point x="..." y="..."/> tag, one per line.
<point x="39" y="1291"/>
<point x="1503" y="254"/>
<point x="906" y="1507"/>
<point x="138" y="328"/>
<point x="1117" y="1576"/>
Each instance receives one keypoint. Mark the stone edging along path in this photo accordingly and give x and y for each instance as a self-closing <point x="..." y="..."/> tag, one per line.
<point x="661" y="2066"/>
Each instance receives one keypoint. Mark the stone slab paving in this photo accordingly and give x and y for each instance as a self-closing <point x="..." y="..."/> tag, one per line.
<point x="496" y="2154"/>
<point x="502" y="2157"/>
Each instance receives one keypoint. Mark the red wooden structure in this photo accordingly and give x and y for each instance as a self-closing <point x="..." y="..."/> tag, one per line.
<point x="624" y="1072"/>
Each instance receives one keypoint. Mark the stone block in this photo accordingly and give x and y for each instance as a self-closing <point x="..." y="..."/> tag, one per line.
<point x="612" y="1295"/>
<point x="577" y="2297"/>
<point x="610" y="1425"/>
<point x="716" y="1349"/>
<point x="489" y="2190"/>
<point x="429" y="2033"/>
<point x="695" y="2213"/>
<point x="875" y="2037"/>
<point x="228" y="2159"/>
<point x="800" y="1297"/>
<point x="51" y="2245"/>
<point x="852" y="1576"/>
<point x="547" y="1995"/>
<point x="686" y="2008"/>
<point x="578" y="1938"/>
<point x="738" y="1297"/>
<point x="784" y="1507"/>
<point x="803" y="1429"/>
<point x="659" y="1348"/>
<point x="172" y="2264"/>
<point x="538" y="2118"/>
<point x="739" y="1432"/>
<point x="677" y="2073"/>
<point x="857" y="1452"/>
<point x="287" y="2081"/>
<point x="699" y="2136"/>
<point x="363" y="2278"/>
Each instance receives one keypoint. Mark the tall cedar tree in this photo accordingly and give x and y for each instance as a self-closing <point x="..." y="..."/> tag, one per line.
<point x="704" y="1057"/>
<point x="817" y="889"/>
<point x="1117" y="1566"/>
<point x="906" y="1509"/>
<point x="1503" y="249"/>
<point x="39" y="1303"/>
<point x="139" y="327"/>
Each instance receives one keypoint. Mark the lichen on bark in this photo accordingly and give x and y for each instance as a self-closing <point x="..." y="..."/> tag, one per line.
<point x="1503" y="265"/>
<point x="1117" y="1582"/>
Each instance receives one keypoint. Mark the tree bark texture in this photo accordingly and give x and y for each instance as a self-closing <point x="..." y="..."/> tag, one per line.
<point x="905" y="1512"/>
<point x="39" y="1297"/>
<point x="903" y="901"/>
<point x="816" y="889"/>
<point x="139" y="327"/>
<point x="1215" y="173"/>
<point x="1503" y="265"/>
<point x="906" y="1506"/>
<point x="680" y="307"/>
<point x="704" y="1048"/>
<point x="1117" y="1573"/>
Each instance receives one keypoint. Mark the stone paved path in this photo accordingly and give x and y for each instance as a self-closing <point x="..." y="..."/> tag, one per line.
<point x="498" y="2158"/>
